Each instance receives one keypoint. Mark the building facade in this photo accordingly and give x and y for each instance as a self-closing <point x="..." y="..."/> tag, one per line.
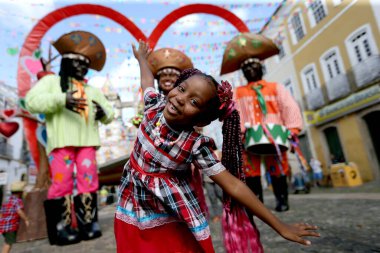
<point x="334" y="49"/>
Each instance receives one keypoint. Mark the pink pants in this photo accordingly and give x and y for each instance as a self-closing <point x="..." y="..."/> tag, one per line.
<point x="62" y="161"/>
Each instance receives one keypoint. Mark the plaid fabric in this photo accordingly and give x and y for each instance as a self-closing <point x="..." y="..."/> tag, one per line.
<point x="10" y="220"/>
<point x="156" y="184"/>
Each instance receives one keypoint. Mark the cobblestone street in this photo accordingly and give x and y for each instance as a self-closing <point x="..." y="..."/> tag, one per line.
<point x="348" y="220"/>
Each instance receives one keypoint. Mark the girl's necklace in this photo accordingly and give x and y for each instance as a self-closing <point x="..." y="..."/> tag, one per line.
<point x="158" y="140"/>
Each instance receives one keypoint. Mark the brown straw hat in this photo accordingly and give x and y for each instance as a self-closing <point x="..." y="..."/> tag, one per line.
<point x="244" y="46"/>
<point x="83" y="43"/>
<point x="18" y="186"/>
<point x="168" y="58"/>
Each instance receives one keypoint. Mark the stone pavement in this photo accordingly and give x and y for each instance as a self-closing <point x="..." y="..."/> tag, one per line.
<point x="348" y="220"/>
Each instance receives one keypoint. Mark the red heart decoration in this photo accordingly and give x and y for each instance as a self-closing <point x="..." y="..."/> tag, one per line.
<point x="7" y="113"/>
<point x="8" y="128"/>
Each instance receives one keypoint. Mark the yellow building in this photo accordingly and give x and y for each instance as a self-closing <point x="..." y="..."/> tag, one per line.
<point x="333" y="56"/>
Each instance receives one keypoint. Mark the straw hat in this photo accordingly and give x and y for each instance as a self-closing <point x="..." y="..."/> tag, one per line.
<point x="18" y="186"/>
<point x="168" y="58"/>
<point x="83" y="43"/>
<point x="244" y="46"/>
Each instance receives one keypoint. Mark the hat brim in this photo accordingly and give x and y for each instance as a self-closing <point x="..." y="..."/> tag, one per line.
<point x="168" y="58"/>
<point x="83" y="43"/>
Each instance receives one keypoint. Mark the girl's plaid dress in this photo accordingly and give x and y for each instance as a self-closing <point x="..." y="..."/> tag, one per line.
<point x="156" y="184"/>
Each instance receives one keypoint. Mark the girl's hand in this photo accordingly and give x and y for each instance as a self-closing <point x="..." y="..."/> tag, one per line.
<point x="143" y="51"/>
<point x="295" y="232"/>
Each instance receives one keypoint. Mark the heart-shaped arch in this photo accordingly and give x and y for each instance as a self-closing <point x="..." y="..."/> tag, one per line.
<point x="192" y="9"/>
<point x="34" y="38"/>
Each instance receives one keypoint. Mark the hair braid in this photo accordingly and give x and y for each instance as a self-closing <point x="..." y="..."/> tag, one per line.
<point x="232" y="151"/>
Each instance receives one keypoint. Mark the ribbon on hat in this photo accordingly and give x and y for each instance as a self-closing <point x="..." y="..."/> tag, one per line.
<point x="227" y="105"/>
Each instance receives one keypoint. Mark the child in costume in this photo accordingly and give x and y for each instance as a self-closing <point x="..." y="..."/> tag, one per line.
<point x="166" y="65"/>
<point x="157" y="209"/>
<point x="11" y="212"/>
<point x="73" y="110"/>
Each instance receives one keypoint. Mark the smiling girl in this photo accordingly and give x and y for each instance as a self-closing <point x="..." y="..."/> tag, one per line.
<point x="158" y="210"/>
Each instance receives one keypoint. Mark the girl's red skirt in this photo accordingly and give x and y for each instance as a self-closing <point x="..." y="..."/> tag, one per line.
<point x="173" y="237"/>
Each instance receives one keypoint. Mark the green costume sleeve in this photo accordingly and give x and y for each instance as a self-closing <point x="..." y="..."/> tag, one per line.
<point x="107" y="107"/>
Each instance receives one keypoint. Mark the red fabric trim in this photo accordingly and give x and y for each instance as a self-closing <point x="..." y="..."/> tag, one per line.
<point x="136" y="166"/>
<point x="158" y="149"/>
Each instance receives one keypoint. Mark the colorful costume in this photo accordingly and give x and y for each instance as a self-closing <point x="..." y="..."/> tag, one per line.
<point x="72" y="139"/>
<point x="156" y="198"/>
<point x="261" y="103"/>
<point x="281" y="109"/>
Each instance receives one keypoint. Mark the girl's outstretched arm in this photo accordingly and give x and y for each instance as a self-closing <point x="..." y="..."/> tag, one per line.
<point x="141" y="54"/>
<point x="240" y="192"/>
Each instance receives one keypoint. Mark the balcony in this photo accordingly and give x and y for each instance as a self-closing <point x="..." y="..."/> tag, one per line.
<point x="316" y="98"/>
<point x="6" y="150"/>
<point x="358" y="77"/>
<point x="367" y="71"/>
<point x="338" y="87"/>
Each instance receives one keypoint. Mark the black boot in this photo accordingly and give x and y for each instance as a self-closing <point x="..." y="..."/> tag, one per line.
<point x="284" y="194"/>
<point x="254" y="183"/>
<point x="276" y="191"/>
<point x="58" y="221"/>
<point x="280" y="190"/>
<point x="86" y="210"/>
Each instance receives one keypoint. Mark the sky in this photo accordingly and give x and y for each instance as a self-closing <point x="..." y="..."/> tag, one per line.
<point x="200" y="36"/>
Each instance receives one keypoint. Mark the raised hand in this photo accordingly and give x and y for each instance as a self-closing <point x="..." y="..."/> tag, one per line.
<point x="99" y="112"/>
<point x="295" y="232"/>
<point x="141" y="54"/>
<point x="143" y="51"/>
<point x="75" y="104"/>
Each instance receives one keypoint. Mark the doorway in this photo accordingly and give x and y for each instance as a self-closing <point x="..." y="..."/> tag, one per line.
<point x="335" y="146"/>
<point x="373" y="124"/>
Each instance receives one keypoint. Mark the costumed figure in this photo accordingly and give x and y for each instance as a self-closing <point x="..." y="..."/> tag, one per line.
<point x="72" y="110"/>
<point x="270" y="116"/>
